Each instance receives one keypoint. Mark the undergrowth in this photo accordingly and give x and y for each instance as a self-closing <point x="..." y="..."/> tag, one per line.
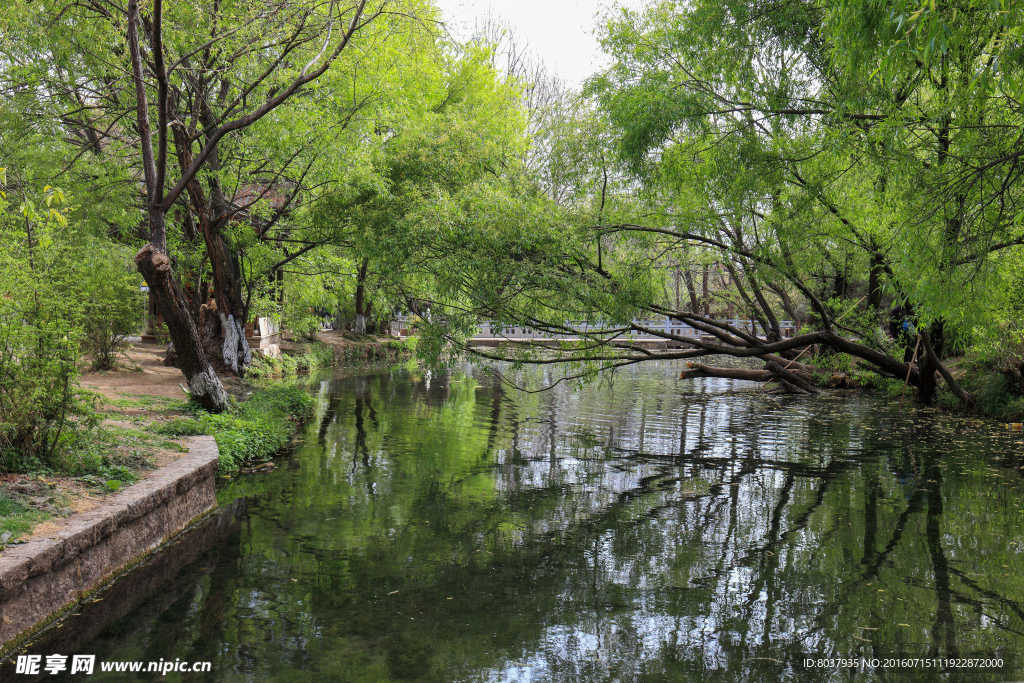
<point x="995" y="395"/>
<point x="315" y="356"/>
<point x="254" y="431"/>
<point x="16" y="518"/>
<point x="318" y="356"/>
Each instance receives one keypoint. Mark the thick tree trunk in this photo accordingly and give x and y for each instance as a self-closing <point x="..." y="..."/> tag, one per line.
<point x="931" y="362"/>
<point x="701" y="370"/>
<point x="210" y="332"/>
<point x="230" y="353"/>
<point x="789" y="380"/>
<point x="229" y="350"/>
<point x="203" y="383"/>
<point x="227" y="292"/>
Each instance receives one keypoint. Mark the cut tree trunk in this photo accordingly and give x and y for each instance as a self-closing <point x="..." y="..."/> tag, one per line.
<point x="203" y="384"/>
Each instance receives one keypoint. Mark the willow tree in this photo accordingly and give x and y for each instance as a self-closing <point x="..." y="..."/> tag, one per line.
<point x="835" y="160"/>
<point x="460" y="128"/>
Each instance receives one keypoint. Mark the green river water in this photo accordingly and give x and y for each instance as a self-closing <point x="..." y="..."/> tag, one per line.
<point x="447" y="528"/>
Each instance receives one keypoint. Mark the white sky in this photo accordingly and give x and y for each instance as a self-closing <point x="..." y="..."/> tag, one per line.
<point x="560" y="32"/>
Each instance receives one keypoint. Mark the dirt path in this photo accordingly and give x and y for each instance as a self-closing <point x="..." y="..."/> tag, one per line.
<point x="143" y="374"/>
<point x="140" y="392"/>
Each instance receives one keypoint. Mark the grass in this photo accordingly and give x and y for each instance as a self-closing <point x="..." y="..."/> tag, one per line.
<point x="314" y="356"/>
<point x="254" y="431"/>
<point x="103" y="458"/>
<point x="16" y="518"/>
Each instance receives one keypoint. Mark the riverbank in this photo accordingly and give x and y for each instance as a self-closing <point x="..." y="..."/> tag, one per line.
<point x="995" y="393"/>
<point x="49" y="576"/>
<point x="142" y="418"/>
<point x="115" y="448"/>
<point x="297" y="357"/>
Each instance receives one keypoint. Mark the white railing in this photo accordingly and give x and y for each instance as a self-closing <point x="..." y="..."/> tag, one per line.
<point x="489" y="330"/>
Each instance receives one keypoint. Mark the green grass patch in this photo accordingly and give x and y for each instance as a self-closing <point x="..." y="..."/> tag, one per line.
<point x="254" y="431"/>
<point x="17" y="519"/>
<point x="102" y="455"/>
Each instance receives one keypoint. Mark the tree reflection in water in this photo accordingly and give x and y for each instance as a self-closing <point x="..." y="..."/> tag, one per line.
<point x="444" y="528"/>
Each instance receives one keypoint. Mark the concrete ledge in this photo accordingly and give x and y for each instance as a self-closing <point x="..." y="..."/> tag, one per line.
<point x="43" y="579"/>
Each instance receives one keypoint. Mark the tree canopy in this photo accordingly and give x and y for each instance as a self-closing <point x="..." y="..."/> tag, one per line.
<point x="842" y="168"/>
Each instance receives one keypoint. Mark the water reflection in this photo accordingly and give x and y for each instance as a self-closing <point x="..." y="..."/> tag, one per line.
<point x="444" y="528"/>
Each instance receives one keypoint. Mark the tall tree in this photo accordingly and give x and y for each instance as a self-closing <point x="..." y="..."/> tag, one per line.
<point x="190" y="96"/>
<point x="277" y="80"/>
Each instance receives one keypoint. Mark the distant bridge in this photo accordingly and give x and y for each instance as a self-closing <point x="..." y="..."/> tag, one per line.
<point x="492" y="334"/>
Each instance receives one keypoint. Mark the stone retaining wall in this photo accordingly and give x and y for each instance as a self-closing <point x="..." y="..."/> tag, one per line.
<point x="44" y="578"/>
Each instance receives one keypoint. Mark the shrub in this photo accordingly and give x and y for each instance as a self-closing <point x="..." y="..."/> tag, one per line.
<point x="316" y="356"/>
<point x="255" y="430"/>
<point x="41" y="316"/>
<point x="114" y="303"/>
<point x="261" y="426"/>
<point x="306" y="304"/>
<point x="997" y="398"/>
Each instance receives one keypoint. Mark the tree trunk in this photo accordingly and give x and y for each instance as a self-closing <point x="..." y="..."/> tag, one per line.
<point x="874" y="283"/>
<point x="152" y="260"/>
<point x="210" y="332"/>
<point x="701" y="370"/>
<point x="233" y="353"/>
<point x="362" y="310"/>
<point x="368" y="314"/>
<point x="692" y="291"/>
<point x="227" y="291"/>
<point x="929" y="362"/>
<point x="789" y="379"/>
<point x="706" y="291"/>
<point x="842" y="286"/>
<point x="203" y="383"/>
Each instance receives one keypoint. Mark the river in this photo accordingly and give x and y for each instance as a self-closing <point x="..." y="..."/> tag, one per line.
<point x="450" y="528"/>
